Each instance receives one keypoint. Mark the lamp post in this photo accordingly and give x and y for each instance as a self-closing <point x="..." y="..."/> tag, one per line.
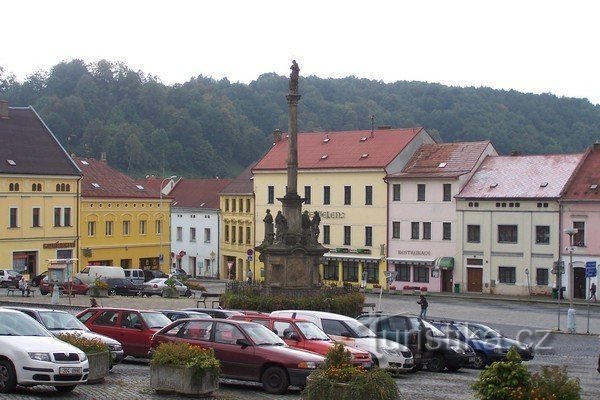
<point x="571" y="311"/>
<point x="160" y="235"/>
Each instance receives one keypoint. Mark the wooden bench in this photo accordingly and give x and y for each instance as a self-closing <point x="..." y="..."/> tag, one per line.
<point x="204" y="296"/>
<point x="12" y="291"/>
<point x="369" y="305"/>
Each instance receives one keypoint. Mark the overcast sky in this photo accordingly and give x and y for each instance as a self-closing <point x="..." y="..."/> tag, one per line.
<point x="526" y="45"/>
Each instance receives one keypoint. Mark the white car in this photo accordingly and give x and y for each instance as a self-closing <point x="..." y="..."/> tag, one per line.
<point x="386" y="354"/>
<point x="30" y="355"/>
<point x="157" y="286"/>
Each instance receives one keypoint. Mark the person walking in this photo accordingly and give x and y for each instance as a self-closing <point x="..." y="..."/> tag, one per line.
<point x="593" y="292"/>
<point x="250" y="275"/>
<point x="424" y="304"/>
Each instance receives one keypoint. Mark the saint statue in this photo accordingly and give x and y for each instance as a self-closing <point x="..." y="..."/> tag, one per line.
<point x="314" y="227"/>
<point x="280" y="226"/>
<point x="294" y="77"/>
<point x="268" y="220"/>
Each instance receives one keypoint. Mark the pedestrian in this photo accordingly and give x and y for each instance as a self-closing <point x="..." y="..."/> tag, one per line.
<point x="93" y="302"/>
<point x="593" y="292"/>
<point x="424" y="304"/>
<point x="250" y="275"/>
<point x="24" y="286"/>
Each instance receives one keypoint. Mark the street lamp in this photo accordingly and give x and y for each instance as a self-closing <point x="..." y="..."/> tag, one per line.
<point x="571" y="311"/>
<point x="160" y="235"/>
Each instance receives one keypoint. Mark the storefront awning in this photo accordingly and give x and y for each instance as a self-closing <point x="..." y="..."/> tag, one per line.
<point x="445" y="262"/>
<point x="350" y="256"/>
<point x="413" y="261"/>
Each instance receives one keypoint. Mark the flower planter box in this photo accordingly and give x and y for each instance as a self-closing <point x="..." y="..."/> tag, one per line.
<point x="99" y="366"/>
<point x="180" y="379"/>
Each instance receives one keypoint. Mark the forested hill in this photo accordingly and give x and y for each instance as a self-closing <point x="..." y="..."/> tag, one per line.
<point x="207" y="128"/>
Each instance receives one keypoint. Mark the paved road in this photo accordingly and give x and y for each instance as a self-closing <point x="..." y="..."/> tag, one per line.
<point x="530" y="320"/>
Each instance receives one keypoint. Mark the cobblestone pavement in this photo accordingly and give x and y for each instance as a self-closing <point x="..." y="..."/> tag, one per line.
<point x="528" y="319"/>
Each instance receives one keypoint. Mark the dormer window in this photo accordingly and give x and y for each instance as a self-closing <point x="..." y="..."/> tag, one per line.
<point x="96" y="185"/>
<point x="140" y="187"/>
<point x="363" y="139"/>
<point x="365" y="155"/>
<point x="593" y="187"/>
<point x="442" y="165"/>
<point x="11" y="162"/>
<point x="85" y="162"/>
<point x="324" y="157"/>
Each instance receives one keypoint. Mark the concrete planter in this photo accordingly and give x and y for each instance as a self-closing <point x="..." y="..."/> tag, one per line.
<point x="180" y="379"/>
<point x="99" y="366"/>
<point x="337" y="392"/>
<point x="170" y="293"/>
<point x="97" y="292"/>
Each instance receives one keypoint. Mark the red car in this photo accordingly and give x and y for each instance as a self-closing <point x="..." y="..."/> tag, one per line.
<point x="132" y="328"/>
<point x="247" y="351"/>
<point x="78" y="286"/>
<point x="304" y="335"/>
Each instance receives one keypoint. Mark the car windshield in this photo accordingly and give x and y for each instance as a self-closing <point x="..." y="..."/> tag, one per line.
<point x="262" y="336"/>
<point x="61" y="321"/>
<point x="466" y="332"/>
<point x="156" y="280"/>
<point x="20" y="324"/>
<point x="435" y="331"/>
<point x="12" y="272"/>
<point x="155" y="319"/>
<point x="312" y="331"/>
<point x="358" y="329"/>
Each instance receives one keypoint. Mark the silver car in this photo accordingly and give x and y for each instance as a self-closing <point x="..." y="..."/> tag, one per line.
<point x="157" y="286"/>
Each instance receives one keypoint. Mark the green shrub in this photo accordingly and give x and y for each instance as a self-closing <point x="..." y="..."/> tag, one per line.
<point x="503" y="380"/>
<point x="375" y="384"/>
<point x="195" y="286"/>
<point x="554" y="384"/>
<point x="88" y="346"/>
<point x="201" y="360"/>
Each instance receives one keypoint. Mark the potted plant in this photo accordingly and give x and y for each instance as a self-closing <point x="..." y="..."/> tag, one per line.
<point x="99" y="288"/>
<point x="170" y="291"/>
<point x="424" y="290"/>
<point x="97" y="353"/>
<point x="392" y="289"/>
<point x="184" y="369"/>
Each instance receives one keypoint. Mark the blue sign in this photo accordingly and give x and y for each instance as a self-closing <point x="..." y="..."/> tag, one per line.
<point x="590" y="269"/>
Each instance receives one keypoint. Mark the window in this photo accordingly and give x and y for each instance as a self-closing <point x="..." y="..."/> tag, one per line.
<point x="333" y="327"/>
<point x="192" y="234"/>
<point x="372" y="270"/>
<point x="426" y="230"/>
<point x="126" y="228"/>
<point x="541" y="276"/>
<point x="542" y="234"/>
<point x="368" y="236"/>
<point x="347" y="195"/>
<point x="507" y="234"/>
<point x="13" y="223"/>
<point x="396" y="192"/>
<point x="108" y="228"/>
<point x="347" y="235"/>
<point x="473" y="233"/>
<point x="35" y="217"/>
<point x="91" y="228"/>
<point x="579" y="237"/>
<point x="414" y="230"/>
<point x="158" y="226"/>
<point x="248" y="234"/>
<point x="331" y="270"/>
<point x="507" y="275"/>
<point x="421" y="274"/>
<point x="307" y="193"/>
<point x="13" y="187"/>
<point x="247" y="205"/>
<point x="241" y="235"/>
<point x="226" y="204"/>
<point x="326" y="234"/>
<point x="447" y="192"/>
<point x="241" y="205"/>
<point x="233" y="234"/>
<point x="57" y="216"/>
<point x="226" y="231"/>
<point x="326" y="194"/>
<point x="421" y="192"/>
<point x="179" y="233"/>
<point x="206" y="235"/>
<point x="350" y="271"/>
<point x="233" y="205"/>
<point x="143" y="227"/>
<point x="396" y="230"/>
<point x="67" y="216"/>
<point x="446" y="231"/>
<point x="271" y="195"/>
<point x="368" y="195"/>
<point x="402" y="273"/>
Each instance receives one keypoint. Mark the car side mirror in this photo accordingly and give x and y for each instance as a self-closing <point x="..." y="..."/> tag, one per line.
<point x="242" y="342"/>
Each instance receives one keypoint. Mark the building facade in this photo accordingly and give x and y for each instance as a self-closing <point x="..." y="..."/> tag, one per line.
<point x="39" y="190"/>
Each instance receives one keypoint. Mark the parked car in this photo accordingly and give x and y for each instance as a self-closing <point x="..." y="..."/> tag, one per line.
<point x="174" y="315"/>
<point x="304" y="335"/>
<point x="132" y="328"/>
<point x="386" y="354"/>
<point x="157" y="287"/>
<point x="30" y="355"/>
<point x="35" y="281"/>
<point x="123" y="287"/>
<point x="430" y="347"/>
<point x="215" y="312"/>
<point x="485" y="353"/>
<point x="491" y="335"/>
<point x="150" y="274"/>
<point x="180" y="273"/>
<point x="58" y="322"/>
<point x="247" y="351"/>
<point x="77" y="286"/>
<point x="9" y="277"/>
<point x="92" y="272"/>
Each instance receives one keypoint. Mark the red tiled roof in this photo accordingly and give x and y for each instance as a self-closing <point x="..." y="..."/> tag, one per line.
<point x="242" y="184"/>
<point x="198" y="193"/>
<point x="541" y="176"/>
<point x="325" y="150"/>
<point x="582" y="184"/>
<point x="443" y="160"/>
<point x="101" y="180"/>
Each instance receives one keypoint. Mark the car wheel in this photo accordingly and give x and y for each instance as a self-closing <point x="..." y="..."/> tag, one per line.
<point x="437" y="363"/>
<point x="34" y="284"/>
<point x="8" y="378"/>
<point x="480" y="361"/>
<point x="188" y="293"/>
<point x="112" y="292"/>
<point x="275" y="380"/>
<point x="65" y="389"/>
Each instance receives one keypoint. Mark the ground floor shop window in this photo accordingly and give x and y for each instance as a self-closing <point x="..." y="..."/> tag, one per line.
<point x="330" y="270"/>
<point x="402" y="272"/>
<point x="350" y="271"/>
<point x="372" y="270"/>
<point x="421" y="274"/>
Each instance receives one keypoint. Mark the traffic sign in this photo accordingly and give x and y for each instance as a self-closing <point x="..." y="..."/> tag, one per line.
<point x="590" y="269"/>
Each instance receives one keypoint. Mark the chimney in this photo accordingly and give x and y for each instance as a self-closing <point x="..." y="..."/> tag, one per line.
<point x="103" y="156"/>
<point x="3" y="109"/>
<point x="276" y="135"/>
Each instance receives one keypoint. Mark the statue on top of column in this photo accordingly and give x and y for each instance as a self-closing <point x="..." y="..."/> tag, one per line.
<point x="294" y="75"/>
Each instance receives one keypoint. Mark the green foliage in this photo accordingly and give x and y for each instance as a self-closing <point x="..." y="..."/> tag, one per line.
<point x="553" y="383"/>
<point x="88" y="346"/>
<point x="201" y="360"/>
<point x="502" y="379"/>
<point x="376" y="384"/>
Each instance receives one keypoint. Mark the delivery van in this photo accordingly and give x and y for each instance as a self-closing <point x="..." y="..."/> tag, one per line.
<point x="91" y="272"/>
<point x="136" y="276"/>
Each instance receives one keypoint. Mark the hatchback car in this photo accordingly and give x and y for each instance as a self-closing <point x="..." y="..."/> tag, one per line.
<point x="58" y="322"/>
<point x="9" y="278"/>
<point x="247" y="351"/>
<point x="132" y="328"/>
<point x="493" y="336"/>
<point x="30" y="355"/>
<point x="35" y="281"/>
<point x="77" y="286"/>
<point x="157" y="286"/>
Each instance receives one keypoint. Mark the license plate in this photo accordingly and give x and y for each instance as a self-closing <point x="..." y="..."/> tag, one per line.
<point x="471" y="359"/>
<point x="69" y="370"/>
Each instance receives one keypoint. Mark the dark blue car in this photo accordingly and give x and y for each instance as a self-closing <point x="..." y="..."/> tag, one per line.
<point x="491" y="335"/>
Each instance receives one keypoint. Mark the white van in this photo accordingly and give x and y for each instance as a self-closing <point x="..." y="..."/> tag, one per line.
<point x="91" y="272"/>
<point x="387" y="354"/>
<point x="136" y="276"/>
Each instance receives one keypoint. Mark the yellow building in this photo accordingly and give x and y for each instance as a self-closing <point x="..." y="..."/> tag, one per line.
<point x="39" y="188"/>
<point x="341" y="176"/>
<point x="237" y="229"/>
<point x="122" y="222"/>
